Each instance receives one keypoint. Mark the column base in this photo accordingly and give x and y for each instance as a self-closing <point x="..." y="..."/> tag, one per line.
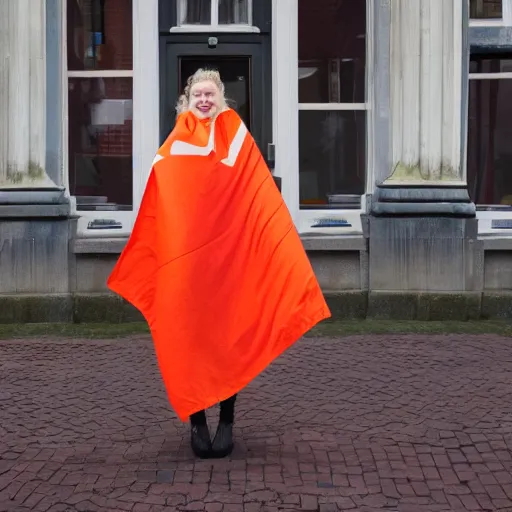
<point x="36" y="227"/>
<point x="425" y="239"/>
<point x="395" y="199"/>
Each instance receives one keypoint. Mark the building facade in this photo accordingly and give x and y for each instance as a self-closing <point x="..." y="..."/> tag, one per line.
<point x="386" y="122"/>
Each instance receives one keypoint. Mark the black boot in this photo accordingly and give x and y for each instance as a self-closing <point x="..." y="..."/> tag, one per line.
<point x="200" y="436"/>
<point x="222" y="445"/>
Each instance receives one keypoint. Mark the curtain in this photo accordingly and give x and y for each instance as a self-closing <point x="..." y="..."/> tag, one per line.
<point x="233" y="11"/>
<point x="196" y="12"/>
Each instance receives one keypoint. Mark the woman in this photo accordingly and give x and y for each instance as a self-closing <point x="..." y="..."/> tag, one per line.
<point x="215" y="264"/>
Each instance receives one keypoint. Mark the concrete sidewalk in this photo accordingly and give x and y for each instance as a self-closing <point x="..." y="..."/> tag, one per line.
<point x="366" y="423"/>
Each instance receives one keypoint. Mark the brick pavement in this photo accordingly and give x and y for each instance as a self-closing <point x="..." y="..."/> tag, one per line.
<point x="365" y="423"/>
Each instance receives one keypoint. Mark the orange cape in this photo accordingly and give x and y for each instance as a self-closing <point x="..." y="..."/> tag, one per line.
<point x="215" y="264"/>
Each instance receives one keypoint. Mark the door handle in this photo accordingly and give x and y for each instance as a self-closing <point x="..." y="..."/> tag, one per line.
<point x="271" y="156"/>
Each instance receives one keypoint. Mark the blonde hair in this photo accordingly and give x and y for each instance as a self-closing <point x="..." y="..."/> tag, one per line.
<point x="201" y="75"/>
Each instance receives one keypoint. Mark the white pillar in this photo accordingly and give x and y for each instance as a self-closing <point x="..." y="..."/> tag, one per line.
<point x="426" y="90"/>
<point x="23" y="94"/>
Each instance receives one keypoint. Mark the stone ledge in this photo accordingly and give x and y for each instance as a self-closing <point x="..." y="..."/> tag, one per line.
<point x="496" y="244"/>
<point x="355" y="304"/>
<point x="34" y="211"/>
<point x="98" y="245"/>
<point x="334" y="243"/>
<point x="311" y="243"/>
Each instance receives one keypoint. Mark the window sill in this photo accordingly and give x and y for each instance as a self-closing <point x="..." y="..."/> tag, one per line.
<point x="496" y="241"/>
<point x="334" y="243"/>
<point x="311" y="243"/>
<point x="209" y="29"/>
<point x="99" y="245"/>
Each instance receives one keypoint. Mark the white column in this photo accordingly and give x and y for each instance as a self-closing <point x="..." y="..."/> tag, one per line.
<point x="23" y="94"/>
<point x="426" y="90"/>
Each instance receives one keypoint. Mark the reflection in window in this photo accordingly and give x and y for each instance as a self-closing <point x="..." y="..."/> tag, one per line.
<point x="99" y="34"/>
<point x="195" y="12"/>
<point x="489" y="162"/>
<point x="100" y="143"/>
<point x="332" y="158"/>
<point x="486" y="9"/>
<point x="332" y="51"/>
<point x="233" y="12"/>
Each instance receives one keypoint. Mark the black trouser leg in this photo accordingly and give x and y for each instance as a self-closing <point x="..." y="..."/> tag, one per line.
<point x="198" y="419"/>
<point x="227" y="410"/>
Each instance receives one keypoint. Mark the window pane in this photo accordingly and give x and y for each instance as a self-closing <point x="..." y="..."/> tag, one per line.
<point x="485" y="9"/>
<point x="484" y="64"/>
<point x="332" y="51"/>
<point x="100" y="143"/>
<point x="233" y="11"/>
<point x="195" y="12"/>
<point x="332" y="158"/>
<point x="489" y="160"/>
<point x="99" y="34"/>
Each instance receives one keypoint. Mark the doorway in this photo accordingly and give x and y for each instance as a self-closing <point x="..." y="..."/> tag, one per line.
<point x="234" y="72"/>
<point x="241" y="67"/>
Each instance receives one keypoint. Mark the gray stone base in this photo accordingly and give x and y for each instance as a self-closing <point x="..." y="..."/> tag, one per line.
<point x="350" y="305"/>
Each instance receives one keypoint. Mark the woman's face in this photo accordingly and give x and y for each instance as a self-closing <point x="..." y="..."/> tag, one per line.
<point x="205" y="99"/>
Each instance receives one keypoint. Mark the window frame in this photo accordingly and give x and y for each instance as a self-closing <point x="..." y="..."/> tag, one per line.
<point x="486" y="213"/>
<point x="214" y="25"/>
<point x="286" y="131"/>
<point x="505" y="20"/>
<point x="145" y="103"/>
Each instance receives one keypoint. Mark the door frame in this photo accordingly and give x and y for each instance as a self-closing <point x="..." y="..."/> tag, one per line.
<point x="257" y="48"/>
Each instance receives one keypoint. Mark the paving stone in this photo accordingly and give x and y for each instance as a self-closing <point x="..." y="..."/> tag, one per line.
<point x="419" y="423"/>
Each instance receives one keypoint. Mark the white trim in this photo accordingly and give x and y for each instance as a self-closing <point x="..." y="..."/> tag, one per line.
<point x="333" y="106"/>
<point x="286" y="108"/>
<point x="110" y="73"/>
<point x="214" y="25"/>
<point x="505" y="20"/>
<point x="184" y="29"/>
<point x="64" y="104"/>
<point x="370" y="101"/>
<point x="145" y="134"/>
<point x="182" y="148"/>
<point x="507" y="12"/>
<point x="491" y="22"/>
<point x="236" y="146"/>
<point x="214" y="14"/>
<point x="285" y="112"/>
<point x="490" y="76"/>
<point x="146" y="94"/>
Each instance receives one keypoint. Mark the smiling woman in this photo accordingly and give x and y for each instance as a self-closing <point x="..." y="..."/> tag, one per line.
<point x="203" y="94"/>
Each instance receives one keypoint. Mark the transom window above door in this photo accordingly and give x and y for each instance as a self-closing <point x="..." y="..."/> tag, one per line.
<point x="214" y="13"/>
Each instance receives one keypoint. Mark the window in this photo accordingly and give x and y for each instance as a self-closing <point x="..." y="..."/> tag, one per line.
<point x="99" y="109"/>
<point x="332" y="103"/>
<point x="486" y="9"/>
<point x="489" y="159"/>
<point x="214" y="12"/>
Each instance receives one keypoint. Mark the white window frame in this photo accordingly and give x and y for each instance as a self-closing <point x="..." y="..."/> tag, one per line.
<point x="286" y="107"/>
<point x="485" y="217"/>
<point x="505" y="20"/>
<point x="145" y="122"/>
<point x="214" y="26"/>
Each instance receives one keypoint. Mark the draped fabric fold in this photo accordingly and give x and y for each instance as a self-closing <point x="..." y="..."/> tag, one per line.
<point x="215" y="264"/>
